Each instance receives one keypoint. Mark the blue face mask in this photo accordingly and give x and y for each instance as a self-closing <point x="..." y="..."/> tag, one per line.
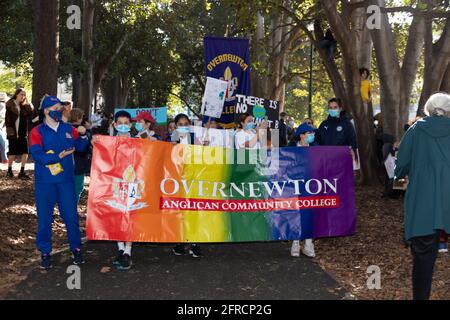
<point x="334" y="113"/>
<point x="310" y="138"/>
<point x="56" y="115"/>
<point x="139" y="127"/>
<point x="123" y="128"/>
<point x="183" y="130"/>
<point x="250" y="126"/>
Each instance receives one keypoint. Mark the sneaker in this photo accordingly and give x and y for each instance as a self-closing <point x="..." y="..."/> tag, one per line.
<point x="46" y="262"/>
<point x="9" y="174"/>
<point x="195" y="251"/>
<point x="308" y="249"/>
<point x="77" y="257"/>
<point x="295" y="248"/>
<point x="118" y="260"/>
<point x="443" y="247"/>
<point x="125" y="264"/>
<point x="24" y="176"/>
<point x="179" y="250"/>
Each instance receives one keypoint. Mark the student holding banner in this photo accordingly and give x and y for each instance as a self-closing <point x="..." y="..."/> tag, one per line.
<point x="144" y="126"/>
<point x="122" y="126"/>
<point x="183" y="135"/>
<point x="306" y="137"/>
<point x="249" y="137"/>
<point x="211" y="137"/>
<point x="170" y="130"/>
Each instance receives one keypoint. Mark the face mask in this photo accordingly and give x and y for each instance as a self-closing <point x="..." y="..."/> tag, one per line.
<point x="291" y="124"/>
<point x="123" y="128"/>
<point x="250" y="126"/>
<point x="310" y="138"/>
<point x="139" y="127"/>
<point x="334" y="113"/>
<point x="183" y="130"/>
<point x="56" y="115"/>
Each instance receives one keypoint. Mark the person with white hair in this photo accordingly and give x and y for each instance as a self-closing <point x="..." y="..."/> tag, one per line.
<point x="424" y="156"/>
<point x="3" y="140"/>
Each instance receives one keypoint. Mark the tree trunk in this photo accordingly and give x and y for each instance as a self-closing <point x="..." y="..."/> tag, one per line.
<point x="76" y="87"/>
<point x="115" y="92"/>
<point x="395" y="82"/>
<point x="101" y="67"/>
<point x="340" y="24"/>
<point x="110" y="90"/>
<point x="437" y="59"/>
<point x="87" y="78"/>
<point x="46" y="49"/>
<point x="125" y="85"/>
<point x="362" y="40"/>
<point x="331" y="68"/>
<point x="258" y="81"/>
<point x="445" y="86"/>
<point x="410" y="66"/>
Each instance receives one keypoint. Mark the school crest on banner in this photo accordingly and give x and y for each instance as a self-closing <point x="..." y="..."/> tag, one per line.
<point x="127" y="191"/>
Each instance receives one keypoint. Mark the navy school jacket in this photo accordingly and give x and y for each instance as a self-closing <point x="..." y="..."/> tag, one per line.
<point x="337" y="132"/>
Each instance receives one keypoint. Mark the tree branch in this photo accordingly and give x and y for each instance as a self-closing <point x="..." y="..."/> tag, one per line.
<point x="187" y="105"/>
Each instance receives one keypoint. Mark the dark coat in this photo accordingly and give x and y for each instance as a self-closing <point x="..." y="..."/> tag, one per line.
<point x="337" y="132"/>
<point x="83" y="158"/>
<point x="283" y="134"/>
<point x="26" y="112"/>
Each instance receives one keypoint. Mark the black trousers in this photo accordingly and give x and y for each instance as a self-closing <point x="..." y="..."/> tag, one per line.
<point x="424" y="251"/>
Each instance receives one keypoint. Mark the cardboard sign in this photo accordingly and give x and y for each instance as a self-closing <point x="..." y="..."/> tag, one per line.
<point x="260" y="109"/>
<point x="214" y="97"/>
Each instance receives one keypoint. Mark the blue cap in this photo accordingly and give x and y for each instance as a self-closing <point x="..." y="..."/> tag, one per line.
<point x="303" y="129"/>
<point x="50" y="101"/>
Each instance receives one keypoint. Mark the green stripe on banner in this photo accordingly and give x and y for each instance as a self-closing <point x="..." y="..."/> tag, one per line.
<point x="248" y="226"/>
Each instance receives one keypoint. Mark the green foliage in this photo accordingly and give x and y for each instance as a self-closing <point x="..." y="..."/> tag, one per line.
<point x="162" y="58"/>
<point x="10" y="79"/>
<point x="16" y="23"/>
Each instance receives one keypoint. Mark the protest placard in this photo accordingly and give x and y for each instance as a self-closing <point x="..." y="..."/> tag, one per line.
<point x="260" y="109"/>
<point x="214" y="97"/>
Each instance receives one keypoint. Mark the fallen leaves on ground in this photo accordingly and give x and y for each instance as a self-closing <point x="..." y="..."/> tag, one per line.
<point x="18" y="225"/>
<point x="378" y="242"/>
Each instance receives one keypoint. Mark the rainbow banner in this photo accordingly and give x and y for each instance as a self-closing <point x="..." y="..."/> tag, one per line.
<point x="144" y="191"/>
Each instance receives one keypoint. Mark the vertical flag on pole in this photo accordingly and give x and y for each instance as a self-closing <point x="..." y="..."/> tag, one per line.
<point x="229" y="59"/>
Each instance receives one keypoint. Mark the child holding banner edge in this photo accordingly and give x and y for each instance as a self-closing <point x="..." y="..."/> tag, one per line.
<point x="305" y="135"/>
<point x="144" y="126"/>
<point x="249" y="137"/>
<point x="182" y="135"/>
<point x="122" y="124"/>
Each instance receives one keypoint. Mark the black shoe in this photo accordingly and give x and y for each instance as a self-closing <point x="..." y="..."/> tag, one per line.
<point x="77" y="257"/>
<point x="9" y="174"/>
<point x="195" y="251"/>
<point x="119" y="258"/>
<point x="125" y="264"/>
<point x="24" y="176"/>
<point x="46" y="262"/>
<point x="179" y="250"/>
